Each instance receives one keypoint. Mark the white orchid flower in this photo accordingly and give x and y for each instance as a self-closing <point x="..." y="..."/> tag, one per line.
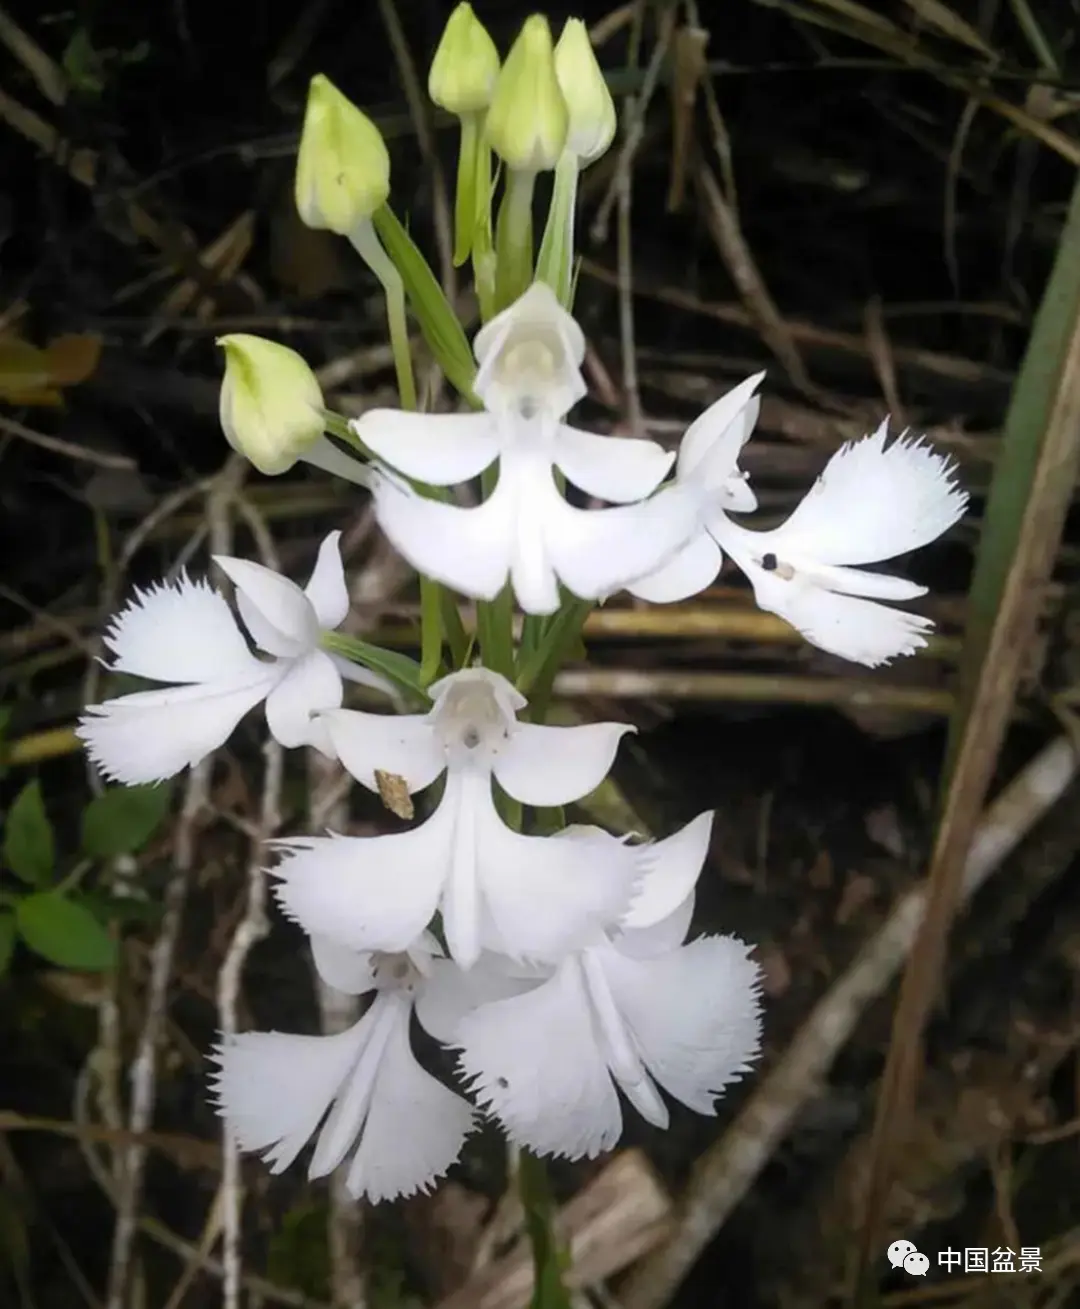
<point x="402" y="1128"/>
<point x="529" y="378"/>
<point x="526" y="896"/>
<point x="871" y="503"/>
<point x="635" y="1010"/>
<point x="184" y="632"/>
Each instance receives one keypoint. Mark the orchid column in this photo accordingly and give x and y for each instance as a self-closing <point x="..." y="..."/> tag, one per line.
<point x="557" y="966"/>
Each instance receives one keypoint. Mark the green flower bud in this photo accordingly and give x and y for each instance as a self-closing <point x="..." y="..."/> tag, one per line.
<point x="588" y="100"/>
<point x="343" y="169"/>
<point x="271" y="404"/>
<point x="528" y="119"/>
<point x="466" y="64"/>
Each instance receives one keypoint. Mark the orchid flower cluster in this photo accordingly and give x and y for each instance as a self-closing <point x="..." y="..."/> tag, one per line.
<point x="553" y="960"/>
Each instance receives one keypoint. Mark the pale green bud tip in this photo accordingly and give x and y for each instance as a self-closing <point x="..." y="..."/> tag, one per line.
<point x="465" y="66"/>
<point x="588" y="100"/>
<point x="343" y="169"/>
<point x="528" y="120"/>
<point x="271" y="403"/>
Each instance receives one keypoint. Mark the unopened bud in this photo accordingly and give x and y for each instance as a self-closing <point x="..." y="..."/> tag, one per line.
<point x="588" y="100"/>
<point x="271" y="403"/>
<point x="466" y="65"/>
<point x="528" y="120"/>
<point x="343" y="169"/>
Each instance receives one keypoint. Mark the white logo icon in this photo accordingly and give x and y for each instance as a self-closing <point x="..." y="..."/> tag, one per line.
<point x="916" y="1264"/>
<point x="899" y="1251"/>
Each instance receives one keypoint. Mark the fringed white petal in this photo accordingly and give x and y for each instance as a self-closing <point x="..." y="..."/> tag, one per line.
<point x="152" y="735"/>
<point x="468" y="549"/>
<point x="415" y="1127"/>
<point x="710" y="448"/>
<point x="671" y="869"/>
<point x="348" y="971"/>
<point x="452" y="992"/>
<point x="616" y="468"/>
<point x="547" y="896"/>
<point x="598" y="551"/>
<point x="860" y="630"/>
<point x="273" y="1089"/>
<point x="873" y="503"/>
<point x="534" y="1062"/>
<point x="694" y="1015"/>
<point x="326" y="588"/>
<point x="687" y="573"/>
<point x="180" y="631"/>
<point x="404" y="745"/>
<point x="542" y="765"/>
<point x="440" y="449"/>
<point x="311" y="684"/>
<point x="371" y="892"/>
<point x="277" y="612"/>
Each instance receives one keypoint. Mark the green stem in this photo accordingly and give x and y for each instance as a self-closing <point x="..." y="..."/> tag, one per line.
<point x="368" y="246"/>
<point x="514" y="237"/>
<point x="465" y="193"/>
<point x="536" y="676"/>
<point x="549" y="1261"/>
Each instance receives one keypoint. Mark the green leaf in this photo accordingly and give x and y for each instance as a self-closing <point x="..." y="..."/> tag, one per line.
<point x="7" y="940"/>
<point x="29" y="850"/>
<point x="122" y="819"/>
<point x="65" y="932"/>
<point x="438" y="322"/>
<point x="399" y="668"/>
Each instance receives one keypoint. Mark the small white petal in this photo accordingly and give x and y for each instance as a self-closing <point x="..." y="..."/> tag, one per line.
<point x="659" y="938"/>
<point x="402" y="744"/>
<point x="273" y="1089"/>
<point x="534" y="1062"/>
<point x="452" y="992"/>
<point x="530" y="357"/>
<point x="615" y="468"/>
<point x="860" y="630"/>
<point x="861" y="581"/>
<point x="711" y="445"/>
<point x="369" y="893"/>
<point x="440" y="449"/>
<point x="671" y="869"/>
<point x="348" y="971"/>
<point x="273" y="607"/>
<point x="328" y="458"/>
<point x="542" y="765"/>
<point x="694" y="1015"/>
<point x="326" y="589"/>
<point x="362" y="676"/>
<point x="598" y="551"/>
<point x="873" y="503"/>
<point x="311" y="684"/>
<point x="180" y="631"/>
<point x="152" y="735"/>
<point x="345" y="1121"/>
<point x="415" y="1127"/>
<point x="547" y="896"/>
<point x="687" y="573"/>
<point x="468" y="549"/>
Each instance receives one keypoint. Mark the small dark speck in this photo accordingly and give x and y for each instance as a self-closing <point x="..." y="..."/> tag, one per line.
<point x="768" y="562"/>
<point x="502" y="1082"/>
